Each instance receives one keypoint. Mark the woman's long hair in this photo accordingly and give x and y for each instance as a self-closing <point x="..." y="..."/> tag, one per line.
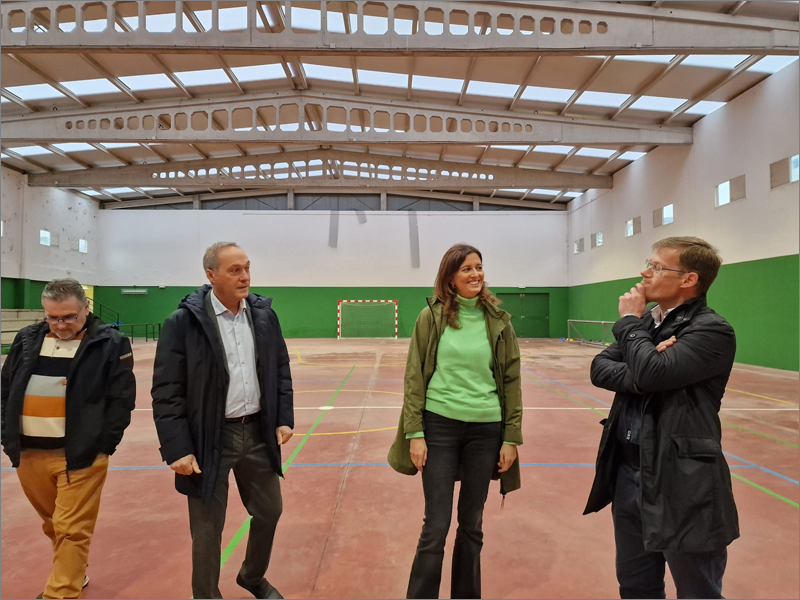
<point x="445" y="290"/>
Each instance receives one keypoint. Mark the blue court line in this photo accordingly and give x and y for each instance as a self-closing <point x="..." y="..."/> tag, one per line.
<point x="384" y="464"/>
<point x="748" y="463"/>
<point x="755" y="466"/>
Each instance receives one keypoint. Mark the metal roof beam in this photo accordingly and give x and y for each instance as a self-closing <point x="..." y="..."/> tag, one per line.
<point x="442" y="124"/>
<point x="354" y="170"/>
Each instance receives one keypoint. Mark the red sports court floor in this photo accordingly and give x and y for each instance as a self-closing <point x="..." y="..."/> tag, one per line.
<point x="350" y="524"/>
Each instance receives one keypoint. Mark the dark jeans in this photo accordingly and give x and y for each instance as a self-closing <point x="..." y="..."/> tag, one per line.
<point x="244" y="451"/>
<point x="641" y="573"/>
<point x="473" y="449"/>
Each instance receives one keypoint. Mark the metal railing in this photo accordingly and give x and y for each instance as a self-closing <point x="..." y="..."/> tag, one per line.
<point x="595" y="333"/>
<point x="149" y="331"/>
<point x="103" y="312"/>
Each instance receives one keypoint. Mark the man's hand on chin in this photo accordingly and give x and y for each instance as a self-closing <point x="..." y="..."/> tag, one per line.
<point x="633" y="302"/>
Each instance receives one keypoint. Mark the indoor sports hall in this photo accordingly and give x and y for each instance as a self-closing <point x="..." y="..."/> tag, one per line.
<point x="345" y="146"/>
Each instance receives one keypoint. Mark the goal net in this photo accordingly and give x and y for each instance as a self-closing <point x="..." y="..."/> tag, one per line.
<point x="367" y="319"/>
<point x="596" y="333"/>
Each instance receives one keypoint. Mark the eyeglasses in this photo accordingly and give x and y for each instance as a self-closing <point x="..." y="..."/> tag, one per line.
<point x="65" y="320"/>
<point x="658" y="268"/>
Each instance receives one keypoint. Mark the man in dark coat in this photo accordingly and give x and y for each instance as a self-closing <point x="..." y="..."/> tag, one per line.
<point x="660" y="462"/>
<point x="222" y="401"/>
<point x="68" y="390"/>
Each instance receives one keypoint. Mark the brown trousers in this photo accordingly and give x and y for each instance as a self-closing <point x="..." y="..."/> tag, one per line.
<point x="68" y="503"/>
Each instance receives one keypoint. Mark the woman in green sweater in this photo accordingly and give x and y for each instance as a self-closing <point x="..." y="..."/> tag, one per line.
<point x="462" y="418"/>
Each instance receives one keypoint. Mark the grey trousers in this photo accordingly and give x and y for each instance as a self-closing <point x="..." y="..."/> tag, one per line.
<point x="243" y="451"/>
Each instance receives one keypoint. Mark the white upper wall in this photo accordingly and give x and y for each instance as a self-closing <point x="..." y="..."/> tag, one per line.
<point x="742" y="138"/>
<point x="26" y="211"/>
<point x="291" y="248"/>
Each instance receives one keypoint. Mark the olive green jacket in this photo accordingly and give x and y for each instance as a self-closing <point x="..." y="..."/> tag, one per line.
<point x="420" y="367"/>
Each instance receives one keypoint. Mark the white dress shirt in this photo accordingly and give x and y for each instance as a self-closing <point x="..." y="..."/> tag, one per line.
<point x="240" y="354"/>
<point x="658" y="317"/>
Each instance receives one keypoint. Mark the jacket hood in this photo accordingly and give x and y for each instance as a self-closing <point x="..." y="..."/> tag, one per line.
<point x="492" y="310"/>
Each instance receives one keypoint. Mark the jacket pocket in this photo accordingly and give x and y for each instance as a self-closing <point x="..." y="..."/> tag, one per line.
<point x="697" y="447"/>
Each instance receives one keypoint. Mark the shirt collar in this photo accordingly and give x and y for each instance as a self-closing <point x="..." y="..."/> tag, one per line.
<point x="219" y="307"/>
<point x="658" y="317"/>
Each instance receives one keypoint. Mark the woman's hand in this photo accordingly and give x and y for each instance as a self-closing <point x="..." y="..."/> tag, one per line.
<point x="508" y="453"/>
<point x="419" y="452"/>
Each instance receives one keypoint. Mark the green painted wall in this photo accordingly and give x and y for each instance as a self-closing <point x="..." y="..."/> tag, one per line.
<point x="309" y="312"/>
<point x="21" y="293"/>
<point x="758" y="298"/>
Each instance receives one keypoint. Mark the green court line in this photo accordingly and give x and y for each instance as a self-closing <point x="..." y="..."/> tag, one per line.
<point x="598" y="411"/>
<point x="753" y="431"/>
<point x="226" y="554"/>
<point x="765" y="490"/>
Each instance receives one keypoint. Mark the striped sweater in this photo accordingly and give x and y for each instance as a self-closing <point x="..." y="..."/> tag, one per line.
<point x="44" y="409"/>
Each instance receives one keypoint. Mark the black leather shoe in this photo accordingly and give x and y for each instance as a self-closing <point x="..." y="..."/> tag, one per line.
<point x="263" y="590"/>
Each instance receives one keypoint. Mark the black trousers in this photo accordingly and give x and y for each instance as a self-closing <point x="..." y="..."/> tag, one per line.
<point x="474" y="450"/>
<point x="243" y="451"/>
<point x="641" y="573"/>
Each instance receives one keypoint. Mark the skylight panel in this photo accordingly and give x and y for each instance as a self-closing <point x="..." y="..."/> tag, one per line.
<point x="490" y="88"/>
<point x="375" y="25"/>
<point x="2" y="99"/>
<point x="772" y="64"/>
<point x="612" y="100"/>
<point x="514" y="190"/>
<point x="716" y="61"/>
<point x="511" y="147"/>
<point x="336" y="22"/>
<point x="554" y="149"/>
<point x="74" y="147"/>
<point x="204" y="16"/>
<point x="153" y="81"/>
<point x="259" y="72"/>
<point x="119" y="190"/>
<point x="307" y="18"/>
<point x="437" y="84"/>
<point x="92" y="193"/>
<point x="29" y="150"/>
<point x="2" y="155"/>
<point x="651" y="58"/>
<point x="546" y="94"/>
<point x="153" y="189"/>
<point x="329" y="73"/>
<point x="434" y="28"/>
<point x="657" y="103"/>
<point x="399" y="80"/>
<point x="87" y="87"/>
<point x="231" y="19"/>
<point x="630" y="155"/>
<point x="205" y="77"/>
<point x="163" y="23"/>
<point x="595" y="152"/>
<point x="39" y="91"/>
<point x="705" y="107"/>
<point x="404" y="26"/>
<point x="573" y="194"/>
<point x="112" y="145"/>
<point x="95" y="26"/>
<point x="543" y="192"/>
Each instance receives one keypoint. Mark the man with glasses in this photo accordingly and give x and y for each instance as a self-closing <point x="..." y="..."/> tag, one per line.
<point x="68" y="390"/>
<point x="660" y="461"/>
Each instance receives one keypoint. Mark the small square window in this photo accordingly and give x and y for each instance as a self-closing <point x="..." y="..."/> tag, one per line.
<point x="724" y="193"/>
<point x="578" y="248"/>
<point x="83" y="246"/>
<point x="597" y="239"/>
<point x="794" y="168"/>
<point x="629" y="228"/>
<point x="44" y="237"/>
<point x="666" y="217"/>
<point x="2" y="228"/>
